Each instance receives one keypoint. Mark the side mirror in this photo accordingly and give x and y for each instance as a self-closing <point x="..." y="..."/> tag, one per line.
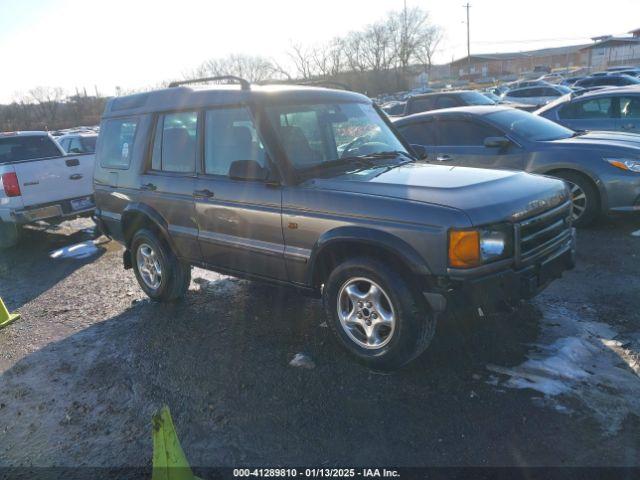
<point x="247" y="170"/>
<point x="420" y="151"/>
<point x="497" y="142"/>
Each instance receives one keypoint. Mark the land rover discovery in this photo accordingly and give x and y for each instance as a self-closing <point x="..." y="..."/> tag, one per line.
<point x="312" y="188"/>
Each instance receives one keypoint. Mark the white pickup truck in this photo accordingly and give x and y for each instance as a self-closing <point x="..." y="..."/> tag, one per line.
<point x="39" y="181"/>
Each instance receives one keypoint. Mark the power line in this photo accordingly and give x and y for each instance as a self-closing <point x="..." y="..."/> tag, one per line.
<point x="468" y="7"/>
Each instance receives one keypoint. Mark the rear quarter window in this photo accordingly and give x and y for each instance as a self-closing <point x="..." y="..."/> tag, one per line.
<point x="117" y="137"/>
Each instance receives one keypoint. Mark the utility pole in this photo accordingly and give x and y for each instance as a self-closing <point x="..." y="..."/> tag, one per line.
<point x="468" y="6"/>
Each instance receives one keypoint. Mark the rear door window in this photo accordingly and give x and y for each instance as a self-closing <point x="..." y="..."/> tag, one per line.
<point x="175" y="143"/>
<point x="18" y="148"/>
<point x="230" y="135"/>
<point x="423" y="133"/>
<point x="446" y="102"/>
<point x="464" y="133"/>
<point x="421" y="105"/>
<point x="117" y="137"/>
<point x="594" y="108"/>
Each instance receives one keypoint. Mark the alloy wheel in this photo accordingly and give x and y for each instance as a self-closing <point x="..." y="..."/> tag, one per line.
<point x="366" y="313"/>
<point x="149" y="266"/>
<point x="579" y="201"/>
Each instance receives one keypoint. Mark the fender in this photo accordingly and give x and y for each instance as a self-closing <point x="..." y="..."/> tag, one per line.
<point x="153" y="215"/>
<point x="572" y="167"/>
<point x="371" y="237"/>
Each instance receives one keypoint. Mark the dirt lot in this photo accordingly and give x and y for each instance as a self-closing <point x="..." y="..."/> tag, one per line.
<point x="554" y="383"/>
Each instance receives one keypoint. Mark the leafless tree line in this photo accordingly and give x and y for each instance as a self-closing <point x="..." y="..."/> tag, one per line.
<point x="377" y="58"/>
<point x="381" y="57"/>
<point x="51" y="108"/>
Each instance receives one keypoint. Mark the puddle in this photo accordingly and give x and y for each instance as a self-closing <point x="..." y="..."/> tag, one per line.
<point x="579" y="358"/>
<point x="77" y="251"/>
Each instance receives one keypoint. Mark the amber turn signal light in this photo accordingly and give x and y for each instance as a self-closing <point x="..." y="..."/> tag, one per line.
<point x="464" y="248"/>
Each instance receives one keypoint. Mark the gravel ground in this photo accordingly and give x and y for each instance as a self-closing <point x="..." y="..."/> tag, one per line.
<point x="553" y="383"/>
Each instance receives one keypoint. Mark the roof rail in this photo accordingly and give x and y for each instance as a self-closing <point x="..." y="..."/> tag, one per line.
<point x="244" y="84"/>
<point x="327" y="83"/>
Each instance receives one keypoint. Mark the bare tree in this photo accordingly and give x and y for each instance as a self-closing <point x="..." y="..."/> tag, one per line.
<point x="376" y="44"/>
<point x="428" y="45"/>
<point x="411" y="28"/>
<point x="252" y="68"/>
<point x="302" y="60"/>
<point x="47" y="101"/>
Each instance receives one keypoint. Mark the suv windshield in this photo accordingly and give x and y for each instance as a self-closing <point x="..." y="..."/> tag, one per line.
<point x="528" y="126"/>
<point x="317" y="135"/>
<point x="476" y="98"/>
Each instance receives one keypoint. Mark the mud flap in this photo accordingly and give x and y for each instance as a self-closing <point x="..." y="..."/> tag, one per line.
<point x="169" y="460"/>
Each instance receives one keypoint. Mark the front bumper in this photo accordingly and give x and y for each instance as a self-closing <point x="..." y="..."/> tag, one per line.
<point x="507" y="286"/>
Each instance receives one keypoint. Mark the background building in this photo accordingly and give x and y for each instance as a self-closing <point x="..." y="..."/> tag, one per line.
<point x="605" y="51"/>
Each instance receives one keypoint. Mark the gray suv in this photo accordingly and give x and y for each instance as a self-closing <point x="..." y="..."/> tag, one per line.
<point x="312" y="188"/>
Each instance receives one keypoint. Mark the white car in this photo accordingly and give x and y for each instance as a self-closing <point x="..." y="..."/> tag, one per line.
<point x="536" y="95"/>
<point x="81" y="142"/>
<point x="39" y="181"/>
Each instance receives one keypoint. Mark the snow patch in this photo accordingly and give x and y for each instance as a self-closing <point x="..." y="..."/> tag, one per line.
<point x="77" y="251"/>
<point x="636" y="233"/>
<point x="301" y="360"/>
<point x="581" y="358"/>
<point x="215" y="282"/>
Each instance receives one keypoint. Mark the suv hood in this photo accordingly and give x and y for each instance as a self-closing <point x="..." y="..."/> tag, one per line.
<point x="486" y="196"/>
<point x="604" y="140"/>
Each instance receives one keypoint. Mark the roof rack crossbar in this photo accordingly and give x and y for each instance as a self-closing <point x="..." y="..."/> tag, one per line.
<point x="244" y="84"/>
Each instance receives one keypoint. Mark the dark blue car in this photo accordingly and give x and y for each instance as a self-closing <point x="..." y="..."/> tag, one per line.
<point x="601" y="168"/>
<point x="614" y="109"/>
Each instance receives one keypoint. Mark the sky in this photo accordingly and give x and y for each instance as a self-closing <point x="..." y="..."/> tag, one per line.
<point x="137" y="43"/>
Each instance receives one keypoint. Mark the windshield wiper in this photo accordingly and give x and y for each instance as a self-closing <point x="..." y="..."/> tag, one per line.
<point x="359" y="161"/>
<point x="378" y="155"/>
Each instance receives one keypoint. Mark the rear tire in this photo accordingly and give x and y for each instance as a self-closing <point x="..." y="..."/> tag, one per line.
<point x="376" y="314"/>
<point x="584" y="195"/>
<point x="160" y="274"/>
<point x="9" y="234"/>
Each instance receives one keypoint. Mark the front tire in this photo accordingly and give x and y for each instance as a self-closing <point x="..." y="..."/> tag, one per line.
<point x="376" y="314"/>
<point x="158" y="271"/>
<point x="584" y="197"/>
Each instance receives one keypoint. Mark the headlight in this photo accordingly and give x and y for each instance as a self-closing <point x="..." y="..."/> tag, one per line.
<point x="471" y="248"/>
<point x="625" y="164"/>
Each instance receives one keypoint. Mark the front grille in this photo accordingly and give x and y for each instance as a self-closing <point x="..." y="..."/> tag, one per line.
<point x="540" y="235"/>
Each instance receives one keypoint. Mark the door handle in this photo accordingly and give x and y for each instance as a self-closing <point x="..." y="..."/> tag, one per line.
<point x="148" y="186"/>
<point x="443" y="157"/>
<point x="72" y="162"/>
<point x="75" y="176"/>
<point x="203" y="193"/>
<point x="629" y="126"/>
